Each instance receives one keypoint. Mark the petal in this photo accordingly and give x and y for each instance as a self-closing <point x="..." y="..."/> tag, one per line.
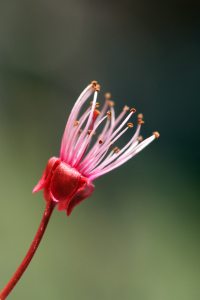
<point x="46" y="176"/>
<point x="83" y="192"/>
<point x="64" y="182"/>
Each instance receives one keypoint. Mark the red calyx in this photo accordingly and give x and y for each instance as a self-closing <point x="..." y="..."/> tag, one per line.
<point x="64" y="185"/>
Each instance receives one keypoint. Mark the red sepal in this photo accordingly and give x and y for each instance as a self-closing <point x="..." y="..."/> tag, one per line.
<point x="64" y="185"/>
<point x="84" y="191"/>
<point x="64" y="182"/>
<point x="46" y="176"/>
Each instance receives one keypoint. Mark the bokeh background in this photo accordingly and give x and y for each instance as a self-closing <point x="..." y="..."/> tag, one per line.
<point x="137" y="237"/>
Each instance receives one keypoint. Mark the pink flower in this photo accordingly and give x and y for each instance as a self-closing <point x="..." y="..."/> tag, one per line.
<point x="68" y="180"/>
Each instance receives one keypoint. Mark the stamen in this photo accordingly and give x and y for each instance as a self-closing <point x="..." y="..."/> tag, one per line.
<point x="115" y="149"/>
<point x="109" y="114"/>
<point x="67" y="136"/>
<point x="140" y="116"/>
<point x="111" y="145"/>
<point x="96" y="105"/>
<point x="126" y="108"/>
<point x="133" y="110"/>
<point x="76" y="123"/>
<point x="107" y="96"/>
<point x="97" y="88"/>
<point x="94" y="82"/>
<point x="89" y="131"/>
<point x="100" y="141"/>
<point x="156" y="134"/>
<point x="140" y="138"/>
<point x="130" y="125"/>
<point x="111" y="103"/>
<point x="79" y="132"/>
<point x="140" y="121"/>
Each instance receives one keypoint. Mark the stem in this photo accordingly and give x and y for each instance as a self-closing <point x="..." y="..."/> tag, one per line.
<point x="27" y="259"/>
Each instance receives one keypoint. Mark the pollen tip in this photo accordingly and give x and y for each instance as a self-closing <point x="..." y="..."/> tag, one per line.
<point x="89" y="131"/>
<point x="140" y="121"/>
<point x="140" y="116"/>
<point x="100" y="141"/>
<point x="133" y="110"/>
<point x="140" y="138"/>
<point x="96" y="105"/>
<point x="109" y="113"/>
<point x="97" y="88"/>
<point x="76" y="123"/>
<point x="116" y="150"/>
<point x="126" y="108"/>
<point x="94" y="82"/>
<point x="107" y="96"/>
<point x="130" y="125"/>
<point x="111" y="103"/>
<point x="156" y="134"/>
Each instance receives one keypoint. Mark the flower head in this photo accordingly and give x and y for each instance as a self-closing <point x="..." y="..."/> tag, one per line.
<point x="68" y="180"/>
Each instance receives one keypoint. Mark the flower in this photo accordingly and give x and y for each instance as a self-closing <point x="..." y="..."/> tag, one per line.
<point x="68" y="180"/>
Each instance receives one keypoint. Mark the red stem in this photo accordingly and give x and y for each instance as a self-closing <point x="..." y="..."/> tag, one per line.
<point x="27" y="259"/>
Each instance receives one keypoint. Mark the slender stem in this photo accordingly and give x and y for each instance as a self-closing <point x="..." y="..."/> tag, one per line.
<point x="27" y="259"/>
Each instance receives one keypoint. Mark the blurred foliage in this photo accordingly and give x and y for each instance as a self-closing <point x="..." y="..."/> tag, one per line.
<point x="137" y="237"/>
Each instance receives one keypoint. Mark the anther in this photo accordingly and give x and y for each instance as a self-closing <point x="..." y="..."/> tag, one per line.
<point x="140" y="116"/>
<point x="96" y="105"/>
<point x="94" y="82"/>
<point x="109" y="114"/>
<point x="133" y="110"/>
<point x="126" y="108"/>
<point x="111" y="145"/>
<point x="100" y="142"/>
<point x="156" y="134"/>
<point x="140" y="121"/>
<point x="140" y="138"/>
<point x="76" y="123"/>
<point x="107" y="96"/>
<point x="130" y="125"/>
<point x="94" y="132"/>
<point x="89" y="131"/>
<point x="97" y="88"/>
<point x="80" y="130"/>
<point x="116" y="150"/>
<point x="111" y="103"/>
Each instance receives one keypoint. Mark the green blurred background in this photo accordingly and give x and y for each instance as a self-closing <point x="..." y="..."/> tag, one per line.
<point x="137" y="237"/>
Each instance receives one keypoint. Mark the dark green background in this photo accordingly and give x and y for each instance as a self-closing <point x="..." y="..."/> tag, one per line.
<point x="137" y="237"/>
